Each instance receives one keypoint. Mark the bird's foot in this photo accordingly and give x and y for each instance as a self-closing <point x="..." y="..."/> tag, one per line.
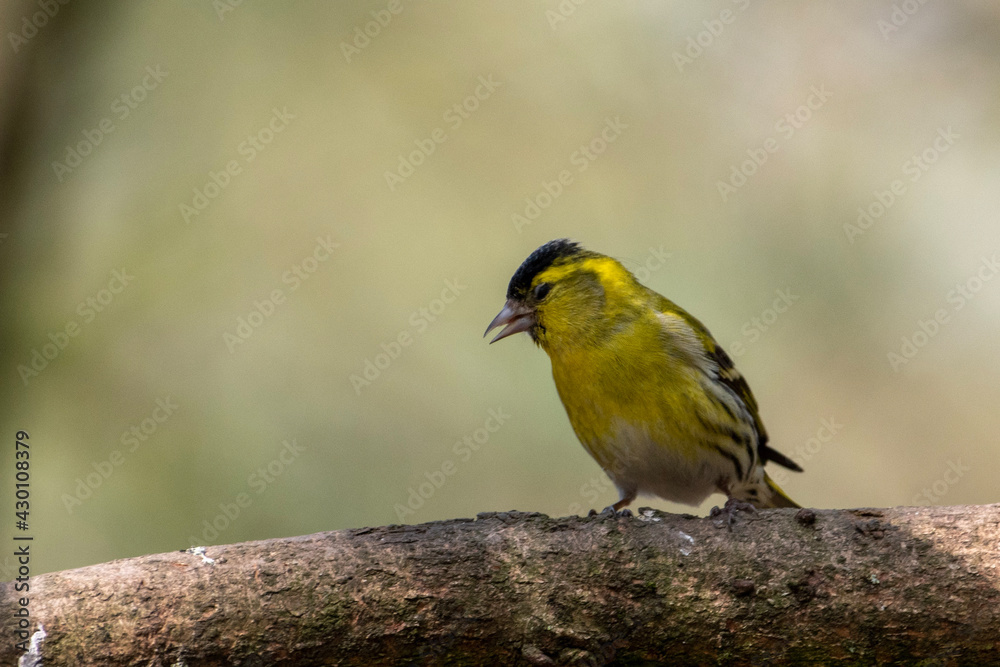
<point x="610" y="512"/>
<point x="729" y="510"/>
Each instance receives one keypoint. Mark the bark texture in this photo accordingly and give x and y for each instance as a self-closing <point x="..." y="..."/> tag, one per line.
<point x="838" y="587"/>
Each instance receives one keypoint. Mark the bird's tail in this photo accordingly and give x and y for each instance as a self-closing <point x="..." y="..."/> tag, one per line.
<point x="778" y="498"/>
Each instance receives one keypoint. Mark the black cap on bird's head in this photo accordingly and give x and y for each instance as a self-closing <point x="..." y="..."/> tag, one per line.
<point x="544" y="257"/>
<point x="518" y="313"/>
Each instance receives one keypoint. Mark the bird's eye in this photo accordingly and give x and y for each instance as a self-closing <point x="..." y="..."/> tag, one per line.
<point x="541" y="290"/>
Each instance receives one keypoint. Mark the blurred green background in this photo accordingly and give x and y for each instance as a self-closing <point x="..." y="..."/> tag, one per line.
<point x="284" y="196"/>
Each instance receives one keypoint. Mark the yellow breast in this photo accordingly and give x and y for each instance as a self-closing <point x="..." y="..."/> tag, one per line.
<point x="605" y="391"/>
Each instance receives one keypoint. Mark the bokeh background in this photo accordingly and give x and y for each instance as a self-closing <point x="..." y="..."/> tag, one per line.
<point x="249" y="171"/>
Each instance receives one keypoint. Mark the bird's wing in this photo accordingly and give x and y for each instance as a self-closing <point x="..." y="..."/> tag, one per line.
<point x="724" y="371"/>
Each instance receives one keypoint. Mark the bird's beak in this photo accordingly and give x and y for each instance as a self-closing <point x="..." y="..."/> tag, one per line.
<point x="516" y="316"/>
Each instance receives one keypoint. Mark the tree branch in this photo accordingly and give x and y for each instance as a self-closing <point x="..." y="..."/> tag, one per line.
<point x="850" y="587"/>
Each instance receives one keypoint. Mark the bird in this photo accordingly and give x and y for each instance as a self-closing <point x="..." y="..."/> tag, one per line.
<point x="650" y="394"/>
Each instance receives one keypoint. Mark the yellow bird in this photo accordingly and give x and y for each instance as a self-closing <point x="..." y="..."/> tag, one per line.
<point x="650" y="394"/>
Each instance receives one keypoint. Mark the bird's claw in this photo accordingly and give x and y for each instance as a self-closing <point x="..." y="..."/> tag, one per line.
<point x="729" y="511"/>
<point x="610" y="512"/>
